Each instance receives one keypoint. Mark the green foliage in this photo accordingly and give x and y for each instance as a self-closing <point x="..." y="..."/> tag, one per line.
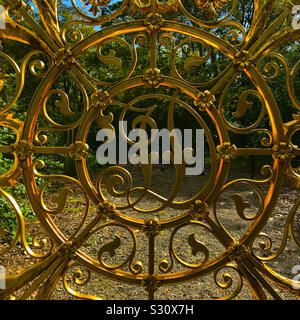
<point x="59" y="164"/>
<point x="8" y="220"/>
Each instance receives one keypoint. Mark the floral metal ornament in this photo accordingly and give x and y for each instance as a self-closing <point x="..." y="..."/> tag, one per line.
<point x="227" y="151"/>
<point x="153" y="77"/>
<point x="67" y="250"/>
<point x="63" y="58"/>
<point x="106" y="210"/>
<point x="237" y="252"/>
<point x="199" y="210"/>
<point x="23" y="149"/>
<point x="78" y="150"/>
<point x="151" y="228"/>
<point x="282" y="152"/>
<point x="242" y="60"/>
<point x="212" y="6"/>
<point x="95" y="5"/>
<point x="154" y="22"/>
<point x="101" y="99"/>
<point x="151" y="283"/>
<point x="205" y="100"/>
<point x="117" y="215"/>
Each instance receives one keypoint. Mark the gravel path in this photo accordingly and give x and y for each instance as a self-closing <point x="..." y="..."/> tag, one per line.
<point x="203" y="288"/>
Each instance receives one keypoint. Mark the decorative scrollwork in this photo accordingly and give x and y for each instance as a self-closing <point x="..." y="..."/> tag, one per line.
<point x="150" y="64"/>
<point x="95" y="4"/>
<point x="79" y="278"/>
<point x="227" y="282"/>
<point x="211" y="6"/>
<point x="195" y="245"/>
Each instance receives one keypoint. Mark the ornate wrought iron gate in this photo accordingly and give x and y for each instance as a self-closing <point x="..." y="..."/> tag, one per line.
<point x="114" y="202"/>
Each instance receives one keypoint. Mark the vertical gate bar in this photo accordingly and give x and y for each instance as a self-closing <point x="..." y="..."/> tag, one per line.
<point x="262" y="281"/>
<point x="153" y="40"/>
<point x="253" y="284"/>
<point x="151" y="264"/>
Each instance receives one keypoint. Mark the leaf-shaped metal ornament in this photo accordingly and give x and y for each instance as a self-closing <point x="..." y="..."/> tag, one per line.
<point x="60" y="199"/>
<point x="197" y="247"/>
<point x="195" y="60"/>
<point x="243" y="104"/>
<point x="111" y="248"/>
<point x="240" y="204"/>
<point x="111" y="59"/>
<point x="63" y="104"/>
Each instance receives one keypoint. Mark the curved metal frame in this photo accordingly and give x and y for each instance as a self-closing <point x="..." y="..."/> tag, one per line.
<point x="63" y="252"/>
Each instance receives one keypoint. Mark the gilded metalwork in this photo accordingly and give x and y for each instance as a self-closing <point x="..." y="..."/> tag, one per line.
<point x="110" y="201"/>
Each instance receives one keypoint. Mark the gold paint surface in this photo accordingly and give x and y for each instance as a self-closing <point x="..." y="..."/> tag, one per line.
<point x="59" y="253"/>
